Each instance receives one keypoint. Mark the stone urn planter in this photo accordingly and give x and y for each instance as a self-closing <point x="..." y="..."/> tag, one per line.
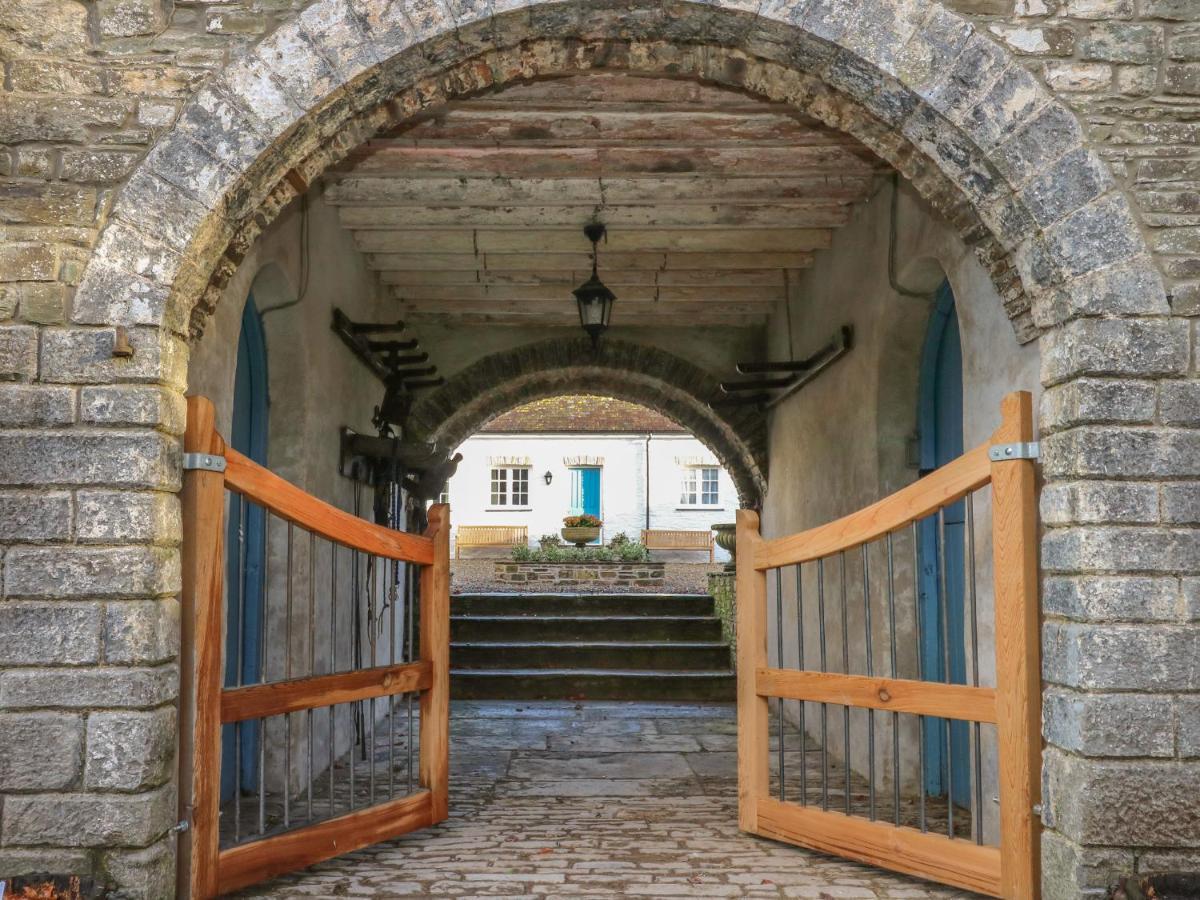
<point x="726" y="534"/>
<point x="581" y="530"/>
<point x="580" y="535"/>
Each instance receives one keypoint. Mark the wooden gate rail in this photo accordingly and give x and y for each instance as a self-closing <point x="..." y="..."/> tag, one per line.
<point x="1010" y="870"/>
<point x="212" y="871"/>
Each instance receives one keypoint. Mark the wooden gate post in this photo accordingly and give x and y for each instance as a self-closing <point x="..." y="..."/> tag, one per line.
<point x="753" y="714"/>
<point x="203" y="508"/>
<point x="435" y="649"/>
<point x="1018" y="660"/>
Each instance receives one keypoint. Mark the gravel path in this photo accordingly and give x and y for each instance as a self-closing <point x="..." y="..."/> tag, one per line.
<point x="476" y="575"/>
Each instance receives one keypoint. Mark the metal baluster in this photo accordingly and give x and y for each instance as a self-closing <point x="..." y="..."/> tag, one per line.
<point x="262" y="662"/>
<point x="845" y="671"/>
<point x="779" y="662"/>
<point x="372" y="578"/>
<point x="800" y="660"/>
<point x="241" y="641"/>
<point x="412" y="575"/>
<point x="919" y="616"/>
<point x="978" y="817"/>
<point x="332" y="665"/>
<point x="394" y="596"/>
<point x="824" y="706"/>
<point x="944" y="609"/>
<point x="891" y="599"/>
<point x="312" y="656"/>
<point x="355" y="625"/>
<point x="287" y="673"/>
<point x="870" y="672"/>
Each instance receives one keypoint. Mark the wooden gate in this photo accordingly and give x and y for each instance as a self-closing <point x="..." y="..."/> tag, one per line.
<point x="324" y="732"/>
<point x="861" y="573"/>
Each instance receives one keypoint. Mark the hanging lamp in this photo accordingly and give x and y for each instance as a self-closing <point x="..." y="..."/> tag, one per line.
<point x="593" y="297"/>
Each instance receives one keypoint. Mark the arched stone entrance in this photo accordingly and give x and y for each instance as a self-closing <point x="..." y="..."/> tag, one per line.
<point x="628" y="371"/>
<point x="973" y="130"/>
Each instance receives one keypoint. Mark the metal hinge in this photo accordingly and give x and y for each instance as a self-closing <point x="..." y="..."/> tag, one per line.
<point x="205" y="462"/>
<point x="1002" y="452"/>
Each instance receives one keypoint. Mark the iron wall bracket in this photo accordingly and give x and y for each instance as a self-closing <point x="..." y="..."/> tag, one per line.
<point x="1021" y="450"/>
<point x="205" y="462"/>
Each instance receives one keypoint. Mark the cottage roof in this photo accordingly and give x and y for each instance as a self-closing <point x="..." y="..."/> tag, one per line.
<point x="582" y="413"/>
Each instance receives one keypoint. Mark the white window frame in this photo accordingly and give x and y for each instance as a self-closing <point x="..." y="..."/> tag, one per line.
<point x="692" y="485"/>
<point x="508" y="497"/>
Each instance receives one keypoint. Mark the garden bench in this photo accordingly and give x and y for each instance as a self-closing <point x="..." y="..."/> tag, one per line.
<point x="673" y="539"/>
<point x="489" y="536"/>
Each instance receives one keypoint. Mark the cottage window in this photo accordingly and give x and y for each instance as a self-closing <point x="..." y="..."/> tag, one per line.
<point x="510" y="486"/>
<point x="700" y="486"/>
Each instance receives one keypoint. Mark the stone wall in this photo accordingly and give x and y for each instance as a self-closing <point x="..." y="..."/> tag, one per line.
<point x="89" y="452"/>
<point x="582" y="575"/>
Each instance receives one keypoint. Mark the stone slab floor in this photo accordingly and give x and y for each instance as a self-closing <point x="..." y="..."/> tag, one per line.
<point x="597" y="799"/>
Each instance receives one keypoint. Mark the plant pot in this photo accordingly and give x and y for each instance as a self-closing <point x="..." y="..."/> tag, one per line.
<point x="726" y="534"/>
<point x="580" y="535"/>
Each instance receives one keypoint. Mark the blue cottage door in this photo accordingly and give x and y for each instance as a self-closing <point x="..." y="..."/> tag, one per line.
<point x="941" y="577"/>
<point x="585" y="491"/>
<point x="245" y="550"/>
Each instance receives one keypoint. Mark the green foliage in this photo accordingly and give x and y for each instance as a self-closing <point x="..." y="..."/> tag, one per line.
<point x="584" y="521"/>
<point x="626" y="551"/>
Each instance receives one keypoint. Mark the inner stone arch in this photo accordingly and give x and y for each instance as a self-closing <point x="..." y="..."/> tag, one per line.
<point x="627" y="371"/>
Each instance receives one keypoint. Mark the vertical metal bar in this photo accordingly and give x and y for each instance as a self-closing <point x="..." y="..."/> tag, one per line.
<point x="393" y="596"/>
<point x="779" y="662"/>
<point x="238" y="678"/>
<point x="870" y="672"/>
<point x="312" y="656"/>
<point x="891" y="601"/>
<point x="332" y="666"/>
<point x="919" y="615"/>
<point x="355" y="625"/>
<point x="977" y="817"/>
<point x="824" y="706"/>
<point x="262" y="662"/>
<point x="944" y="609"/>
<point x="414" y="583"/>
<point x="845" y="671"/>
<point x="287" y="674"/>
<point x="373" y="568"/>
<point x="800" y="661"/>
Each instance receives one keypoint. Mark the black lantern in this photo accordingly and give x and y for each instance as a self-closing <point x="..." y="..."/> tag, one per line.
<point x="549" y="476"/>
<point x="594" y="298"/>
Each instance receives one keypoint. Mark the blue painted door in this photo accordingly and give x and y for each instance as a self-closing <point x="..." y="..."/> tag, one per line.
<point x="941" y="552"/>
<point x="585" y="491"/>
<point x="245" y="551"/>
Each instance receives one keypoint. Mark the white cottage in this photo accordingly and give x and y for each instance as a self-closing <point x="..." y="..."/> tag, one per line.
<point x="626" y="464"/>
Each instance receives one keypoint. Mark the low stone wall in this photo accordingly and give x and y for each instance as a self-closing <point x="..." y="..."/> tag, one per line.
<point x="721" y="585"/>
<point x="617" y="575"/>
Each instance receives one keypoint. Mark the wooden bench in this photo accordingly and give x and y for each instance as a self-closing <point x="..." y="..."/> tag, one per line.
<point x="489" y="536"/>
<point x="667" y="539"/>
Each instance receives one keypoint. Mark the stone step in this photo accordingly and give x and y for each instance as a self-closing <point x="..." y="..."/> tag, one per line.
<point x="584" y="628"/>
<point x="685" y="655"/>
<point x="582" y="604"/>
<point x="592" y="684"/>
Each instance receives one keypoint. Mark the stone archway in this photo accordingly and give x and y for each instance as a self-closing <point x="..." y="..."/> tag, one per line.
<point x="959" y="116"/>
<point x="628" y="371"/>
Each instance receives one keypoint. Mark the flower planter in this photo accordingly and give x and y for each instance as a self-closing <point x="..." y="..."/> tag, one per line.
<point x="726" y="534"/>
<point x="580" y="535"/>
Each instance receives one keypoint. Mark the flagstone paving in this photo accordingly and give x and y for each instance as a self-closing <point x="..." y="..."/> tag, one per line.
<point x="596" y="799"/>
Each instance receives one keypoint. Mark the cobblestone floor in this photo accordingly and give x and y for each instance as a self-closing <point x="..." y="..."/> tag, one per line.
<point x="554" y="799"/>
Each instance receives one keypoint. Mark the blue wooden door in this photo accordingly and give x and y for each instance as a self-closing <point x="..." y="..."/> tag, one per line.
<point x="245" y="550"/>
<point x="942" y="574"/>
<point x="585" y="491"/>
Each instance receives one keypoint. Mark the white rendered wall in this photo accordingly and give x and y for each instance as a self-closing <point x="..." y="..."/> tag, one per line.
<point x="623" y="483"/>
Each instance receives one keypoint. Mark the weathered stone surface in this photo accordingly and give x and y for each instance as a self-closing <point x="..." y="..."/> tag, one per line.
<point x="1090" y="401"/>
<point x="84" y="356"/>
<point x="141" y="632"/>
<point x="47" y="26"/>
<point x="23" y="406"/>
<point x="49" y="634"/>
<point x="1107" y="725"/>
<point x="129" y="751"/>
<point x="122" y="516"/>
<point x="146" y="874"/>
<point x="88" y="820"/>
<point x="35" y="516"/>
<point x="1120" y="657"/>
<point x="1135" y="347"/>
<point x="132" y="405"/>
<point x="40" y="751"/>
<point x="146" y="459"/>
<point x="90" y="572"/>
<point x="83" y="688"/>
<point x="1099" y="502"/>
<point x="127" y="18"/>
<point x="1114" y="598"/>
<point x="18" y="353"/>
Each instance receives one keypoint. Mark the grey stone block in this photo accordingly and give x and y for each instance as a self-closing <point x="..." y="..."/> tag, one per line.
<point x="1155" y="658"/>
<point x="1099" y="502"/>
<point x="78" y="572"/>
<point x="147" y="874"/>
<point x="1108" y="725"/>
<point x="88" y="820"/>
<point x="130" y="751"/>
<point x="111" y="458"/>
<point x="131" y="405"/>
<point x="49" y="633"/>
<point x="15" y="863"/>
<point x="22" y="405"/>
<point x="18" y="353"/>
<point x="1093" y="451"/>
<point x="84" y="356"/>
<point x="1181" y="503"/>
<point x="114" y="517"/>
<point x="1071" y="872"/>
<point x="139" y="632"/>
<point x="35" y="516"/>
<point x="1113" y="598"/>
<point x="73" y="688"/>
<point x="40" y="751"/>
<point x="1188" y="711"/>
<point x="1087" y="401"/>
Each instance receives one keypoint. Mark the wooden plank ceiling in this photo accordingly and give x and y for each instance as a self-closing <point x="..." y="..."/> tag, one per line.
<point x="712" y="199"/>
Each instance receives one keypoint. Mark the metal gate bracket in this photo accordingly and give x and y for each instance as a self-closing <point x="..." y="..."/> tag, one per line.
<point x="206" y="462"/>
<point x="1004" y="452"/>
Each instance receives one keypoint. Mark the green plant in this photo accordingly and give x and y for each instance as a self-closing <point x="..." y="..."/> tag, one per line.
<point x="522" y="553"/>
<point x="584" y="521"/>
<point x="630" y="552"/>
<point x="618" y="540"/>
<point x="549" y="540"/>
